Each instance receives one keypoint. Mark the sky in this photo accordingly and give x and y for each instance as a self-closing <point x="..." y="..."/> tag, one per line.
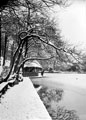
<point x="72" y="22"/>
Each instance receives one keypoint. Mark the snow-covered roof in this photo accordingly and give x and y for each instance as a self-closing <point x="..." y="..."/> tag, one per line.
<point x="35" y="64"/>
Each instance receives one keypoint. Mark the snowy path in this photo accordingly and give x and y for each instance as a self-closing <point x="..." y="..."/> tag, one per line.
<point x="21" y="102"/>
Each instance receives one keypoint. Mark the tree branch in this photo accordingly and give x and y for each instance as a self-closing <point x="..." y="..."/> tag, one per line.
<point x="32" y="59"/>
<point x="50" y="44"/>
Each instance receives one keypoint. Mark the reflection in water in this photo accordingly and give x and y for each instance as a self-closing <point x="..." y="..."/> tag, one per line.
<point x="75" y="101"/>
<point x="74" y="97"/>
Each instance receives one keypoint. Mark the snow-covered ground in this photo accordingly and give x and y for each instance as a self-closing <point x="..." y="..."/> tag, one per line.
<point x="22" y="102"/>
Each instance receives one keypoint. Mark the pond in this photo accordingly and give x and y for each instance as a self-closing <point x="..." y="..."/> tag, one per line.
<point x="74" y="86"/>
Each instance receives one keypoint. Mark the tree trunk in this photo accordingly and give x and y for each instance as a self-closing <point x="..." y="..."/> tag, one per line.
<point x="12" y="62"/>
<point x="26" y="49"/>
<point x="17" y="61"/>
<point x="12" y="51"/>
<point x="5" y="45"/>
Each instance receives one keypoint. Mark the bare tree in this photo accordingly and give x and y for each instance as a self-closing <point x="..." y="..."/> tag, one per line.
<point x="31" y="28"/>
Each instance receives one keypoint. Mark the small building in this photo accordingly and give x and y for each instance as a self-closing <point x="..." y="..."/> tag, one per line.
<point x="31" y="68"/>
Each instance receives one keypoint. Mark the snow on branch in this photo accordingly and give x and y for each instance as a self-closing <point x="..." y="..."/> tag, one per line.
<point x="35" y="58"/>
<point x="27" y="37"/>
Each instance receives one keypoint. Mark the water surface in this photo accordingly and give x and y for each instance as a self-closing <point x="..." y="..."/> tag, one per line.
<point x="74" y="86"/>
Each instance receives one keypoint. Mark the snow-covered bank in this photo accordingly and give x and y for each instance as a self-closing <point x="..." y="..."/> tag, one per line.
<point x="21" y="102"/>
